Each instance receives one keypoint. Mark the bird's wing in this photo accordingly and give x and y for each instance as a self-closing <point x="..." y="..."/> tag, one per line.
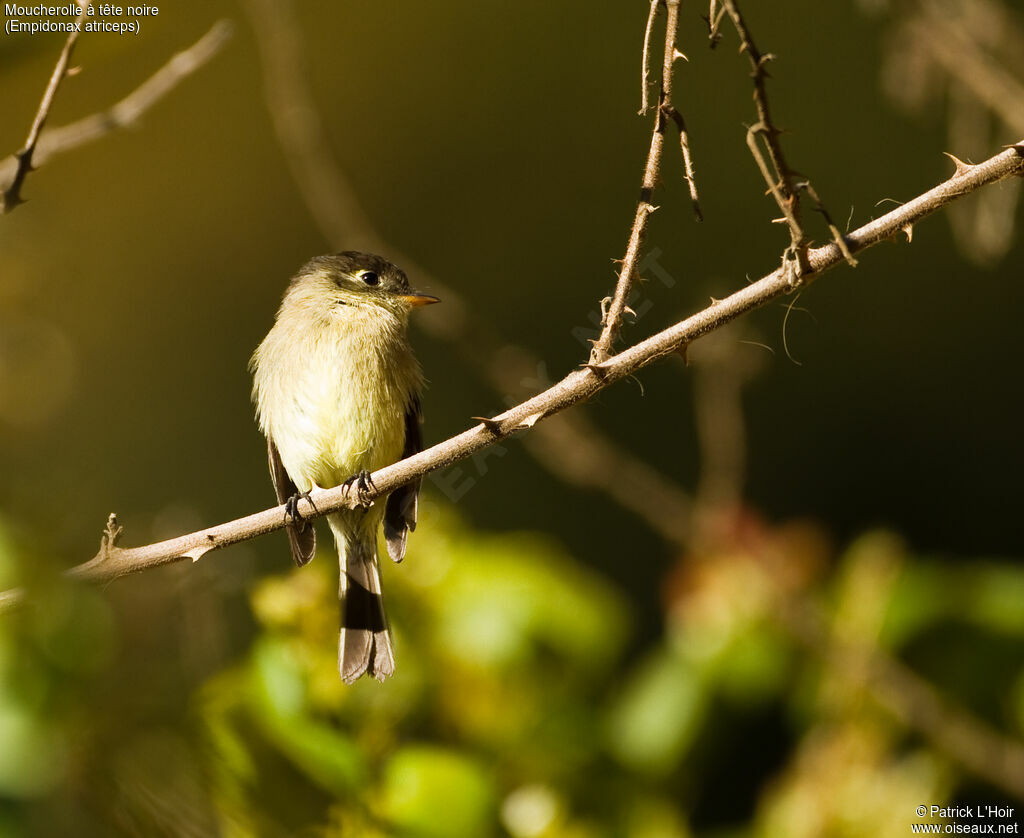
<point x="400" y="512"/>
<point x="301" y="534"/>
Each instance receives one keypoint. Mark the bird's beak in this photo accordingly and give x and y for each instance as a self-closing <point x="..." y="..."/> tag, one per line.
<point x="418" y="300"/>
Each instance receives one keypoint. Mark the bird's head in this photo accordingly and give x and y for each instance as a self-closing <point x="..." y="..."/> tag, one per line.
<point x="356" y="279"/>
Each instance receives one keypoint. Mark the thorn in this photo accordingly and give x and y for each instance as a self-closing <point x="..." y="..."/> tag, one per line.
<point x="493" y="425"/>
<point x="909" y="232"/>
<point x="73" y="71"/>
<point x="596" y="369"/>
<point x="676" y="55"/>
<point x="627" y="309"/>
<point x="196" y="553"/>
<point x="684" y="353"/>
<point x="962" y="168"/>
<point x="532" y="420"/>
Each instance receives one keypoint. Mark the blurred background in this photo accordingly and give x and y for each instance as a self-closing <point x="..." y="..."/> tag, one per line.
<point x="776" y="591"/>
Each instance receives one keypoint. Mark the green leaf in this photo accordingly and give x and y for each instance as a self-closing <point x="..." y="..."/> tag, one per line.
<point x="657" y="717"/>
<point x="432" y="791"/>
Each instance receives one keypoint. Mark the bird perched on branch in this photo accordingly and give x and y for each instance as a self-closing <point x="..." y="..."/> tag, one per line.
<point x="337" y="393"/>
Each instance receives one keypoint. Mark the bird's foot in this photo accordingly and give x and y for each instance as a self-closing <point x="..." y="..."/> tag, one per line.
<point x="291" y="506"/>
<point x="361" y="483"/>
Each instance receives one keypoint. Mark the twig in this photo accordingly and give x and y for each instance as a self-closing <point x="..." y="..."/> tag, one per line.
<point x="577" y="387"/>
<point x="645" y="99"/>
<point x="130" y="109"/>
<point x="12" y="193"/>
<point x="612" y="319"/>
<point x="684" y="145"/>
<point x="780" y="178"/>
<point x="714" y="21"/>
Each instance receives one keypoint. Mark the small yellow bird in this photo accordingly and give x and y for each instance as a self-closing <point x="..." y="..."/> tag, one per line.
<point x="337" y="393"/>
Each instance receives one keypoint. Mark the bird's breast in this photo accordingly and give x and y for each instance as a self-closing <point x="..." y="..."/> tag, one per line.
<point x="340" y="407"/>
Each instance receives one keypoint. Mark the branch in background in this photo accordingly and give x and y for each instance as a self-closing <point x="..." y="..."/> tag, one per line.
<point x="579" y="386"/>
<point x="592" y="461"/>
<point x="130" y="109"/>
<point x="720" y="373"/>
<point x="12" y="192"/>
<point x="327" y="192"/>
<point x="613" y="309"/>
<point x="911" y="699"/>
<point x="964" y="61"/>
<point x="780" y="178"/>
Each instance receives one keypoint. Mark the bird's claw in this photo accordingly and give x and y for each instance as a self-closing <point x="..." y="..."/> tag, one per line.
<point x="291" y="507"/>
<point x="361" y="483"/>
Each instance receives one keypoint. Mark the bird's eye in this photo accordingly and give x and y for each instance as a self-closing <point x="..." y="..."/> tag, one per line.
<point x="369" y="277"/>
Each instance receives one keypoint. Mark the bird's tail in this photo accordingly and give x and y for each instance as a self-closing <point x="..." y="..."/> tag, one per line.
<point x="364" y="646"/>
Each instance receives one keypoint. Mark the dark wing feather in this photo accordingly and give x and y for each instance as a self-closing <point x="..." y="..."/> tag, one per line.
<point x="301" y="534"/>
<point x="400" y="512"/>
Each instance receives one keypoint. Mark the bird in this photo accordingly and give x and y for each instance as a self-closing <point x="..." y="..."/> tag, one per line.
<point x="337" y="390"/>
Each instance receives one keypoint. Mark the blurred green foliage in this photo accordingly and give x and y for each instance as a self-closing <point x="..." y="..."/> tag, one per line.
<point x="520" y="706"/>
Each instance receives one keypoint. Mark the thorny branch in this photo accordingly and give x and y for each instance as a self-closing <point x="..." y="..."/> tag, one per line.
<point x="12" y="192"/>
<point x="126" y="112"/>
<point x="616" y="307"/>
<point x="780" y="178"/>
<point x="578" y="386"/>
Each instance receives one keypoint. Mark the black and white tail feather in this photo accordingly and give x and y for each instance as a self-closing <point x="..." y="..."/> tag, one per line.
<point x="364" y="644"/>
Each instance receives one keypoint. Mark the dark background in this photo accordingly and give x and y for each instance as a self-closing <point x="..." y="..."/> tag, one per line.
<point x="498" y="145"/>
